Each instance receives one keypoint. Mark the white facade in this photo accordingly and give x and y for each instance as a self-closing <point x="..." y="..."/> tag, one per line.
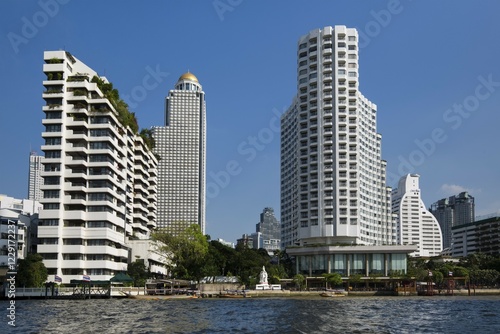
<point x="99" y="177"/>
<point x="481" y="236"/>
<point x="333" y="180"/>
<point x="148" y="251"/>
<point x="18" y="224"/>
<point x="226" y="243"/>
<point x="416" y="225"/>
<point x="22" y="206"/>
<point x="13" y="235"/>
<point x="181" y="145"/>
<point x="35" y="177"/>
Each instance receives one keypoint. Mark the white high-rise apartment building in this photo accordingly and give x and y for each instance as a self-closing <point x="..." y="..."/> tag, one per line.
<point x="181" y="146"/>
<point x="333" y="180"/>
<point x="416" y="225"/>
<point x="35" y="179"/>
<point x="99" y="175"/>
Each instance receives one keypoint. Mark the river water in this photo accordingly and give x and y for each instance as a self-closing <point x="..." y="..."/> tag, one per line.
<point x="460" y="314"/>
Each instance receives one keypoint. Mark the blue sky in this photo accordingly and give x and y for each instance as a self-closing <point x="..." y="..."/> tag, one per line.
<point x="432" y="68"/>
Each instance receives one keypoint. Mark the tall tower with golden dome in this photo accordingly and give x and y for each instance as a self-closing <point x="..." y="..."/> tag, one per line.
<point x="181" y="146"/>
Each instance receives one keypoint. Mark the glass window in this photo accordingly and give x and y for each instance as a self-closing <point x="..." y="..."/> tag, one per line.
<point x="377" y="264"/>
<point x="358" y="264"/>
<point x="339" y="264"/>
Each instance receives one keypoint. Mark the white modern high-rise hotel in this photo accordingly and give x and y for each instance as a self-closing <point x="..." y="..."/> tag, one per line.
<point x="99" y="175"/>
<point x="333" y="180"/>
<point x="416" y="225"/>
<point x="181" y="146"/>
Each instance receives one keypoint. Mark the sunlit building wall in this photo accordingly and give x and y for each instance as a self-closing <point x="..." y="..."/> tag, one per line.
<point x="333" y="179"/>
<point x="181" y="147"/>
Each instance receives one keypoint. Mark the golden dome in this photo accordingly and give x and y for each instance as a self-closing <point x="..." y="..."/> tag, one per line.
<point x="188" y="76"/>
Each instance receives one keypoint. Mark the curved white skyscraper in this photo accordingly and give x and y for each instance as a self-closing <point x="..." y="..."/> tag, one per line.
<point x="333" y="179"/>
<point x="416" y="225"/>
<point x="181" y="146"/>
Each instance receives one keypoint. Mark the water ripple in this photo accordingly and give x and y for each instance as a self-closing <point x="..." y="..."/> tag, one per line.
<point x="387" y="315"/>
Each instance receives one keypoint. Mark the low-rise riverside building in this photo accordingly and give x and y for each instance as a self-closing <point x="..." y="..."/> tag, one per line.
<point x="18" y="224"/>
<point x="364" y="260"/>
<point x="149" y="252"/>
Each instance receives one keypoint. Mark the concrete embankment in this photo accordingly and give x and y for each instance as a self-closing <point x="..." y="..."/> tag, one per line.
<point x="308" y="294"/>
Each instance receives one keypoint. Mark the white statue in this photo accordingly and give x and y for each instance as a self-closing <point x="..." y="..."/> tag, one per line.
<point x="263" y="276"/>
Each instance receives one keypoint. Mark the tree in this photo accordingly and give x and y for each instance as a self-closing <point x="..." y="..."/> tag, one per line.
<point x="333" y="279"/>
<point x="484" y="277"/>
<point x="31" y="272"/>
<point x="299" y="281"/>
<point x="248" y="264"/>
<point x="460" y="272"/>
<point x="138" y="271"/>
<point x="187" y="251"/>
<point x="437" y="277"/>
<point x="355" y="279"/>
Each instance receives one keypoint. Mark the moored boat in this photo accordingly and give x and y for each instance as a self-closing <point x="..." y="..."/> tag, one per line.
<point x="333" y="293"/>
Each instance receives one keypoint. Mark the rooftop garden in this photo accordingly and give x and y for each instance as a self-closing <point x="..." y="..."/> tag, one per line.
<point x="125" y="117"/>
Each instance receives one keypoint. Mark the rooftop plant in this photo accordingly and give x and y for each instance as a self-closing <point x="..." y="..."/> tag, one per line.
<point x="125" y="117"/>
<point x="55" y="60"/>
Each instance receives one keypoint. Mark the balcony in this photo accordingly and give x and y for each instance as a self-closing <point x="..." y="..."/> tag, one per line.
<point x="71" y="264"/>
<point x="52" y="107"/>
<point x="75" y="201"/>
<point x="76" y="121"/>
<point x="50" y="147"/>
<point x="47" y="121"/>
<point x="77" y="135"/>
<point x="121" y="252"/>
<point x="100" y="264"/>
<point x="47" y="249"/>
<point x="53" y="93"/>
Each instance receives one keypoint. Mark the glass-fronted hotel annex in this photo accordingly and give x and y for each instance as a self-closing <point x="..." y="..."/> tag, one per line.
<point x="335" y="204"/>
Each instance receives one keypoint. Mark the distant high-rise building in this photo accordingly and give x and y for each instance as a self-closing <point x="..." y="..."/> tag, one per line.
<point x="99" y="174"/>
<point x="416" y="225"/>
<point x="246" y="240"/>
<point x="181" y="147"/>
<point x="333" y="179"/>
<point x="453" y="211"/>
<point x="35" y="179"/>
<point x="269" y="229"/>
